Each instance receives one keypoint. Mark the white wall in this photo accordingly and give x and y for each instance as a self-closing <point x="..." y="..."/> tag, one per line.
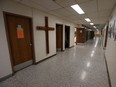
<point x="110" y="53"/>
<point x="39" y="36"/>
<point x="5" y="65"/>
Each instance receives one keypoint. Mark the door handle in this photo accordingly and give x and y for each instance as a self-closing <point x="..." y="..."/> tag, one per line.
<point x="30" y="44"/>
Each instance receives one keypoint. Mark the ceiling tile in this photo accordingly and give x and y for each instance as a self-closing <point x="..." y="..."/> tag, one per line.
<point x="34" y="5"/>
<point x="82" y="1"/>
<point x="49" y="4"/>
<point x="55" y="13"/>
<point x="63" y="12"/>
<point x="65" y="3"/>
<point x="105" y="4"/>
<point x="79" y="21"/>
<point x="90" y="6"/>
<point x="73" y="17"/>
<point x="62" y="9"/>
<point x="83" y="16"/>
<point x="101" y="20"/>
<point x="92" y="14"/>
<point x="105" y="13"/>
<point x="69" y="9"/>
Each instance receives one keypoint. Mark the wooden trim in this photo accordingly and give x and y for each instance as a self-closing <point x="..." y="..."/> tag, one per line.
<point x="5" y="77"/>
<point x="47" y="42"/>
<point x="61" y="36"/>
<point x="13" y="14"/>
<point x="69" y="37"/>
<point x="46" y="28"/>
<point x="8" y="39"/>
<point x="46" y="21"/>
<point x="32" y="37"/>
<point x="106" y="37"/>
<point x="44" y="59"/>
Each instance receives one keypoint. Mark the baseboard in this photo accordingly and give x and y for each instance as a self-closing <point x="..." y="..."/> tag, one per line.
<point x="10" y="75"/>
<point x="104" y="48"/>
<point x="110" y="85"/>
<point x="71" y="46"/>
<point x="81" y="44"/>
<point x="44" y="59"/>
<point x="5" y="77"/>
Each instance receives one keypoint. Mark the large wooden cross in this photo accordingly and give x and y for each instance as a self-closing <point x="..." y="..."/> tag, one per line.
<point x="46" y="28"/>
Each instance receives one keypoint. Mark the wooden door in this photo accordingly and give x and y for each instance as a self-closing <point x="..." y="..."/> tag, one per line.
<point x="59" y="36"/>
<point x="19" y="33"/>
<point x="80" y="35"/>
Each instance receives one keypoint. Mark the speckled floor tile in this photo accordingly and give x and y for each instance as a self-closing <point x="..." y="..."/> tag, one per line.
<point x="81" y="66"/>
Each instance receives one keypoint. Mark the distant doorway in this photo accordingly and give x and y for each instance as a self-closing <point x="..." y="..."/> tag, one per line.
<point x="67" y="36"/>
<point x="59" y="37"/>
<point x="20" y="40"/>
<point x="106" y="37"/>
<point x="80" y="35"/>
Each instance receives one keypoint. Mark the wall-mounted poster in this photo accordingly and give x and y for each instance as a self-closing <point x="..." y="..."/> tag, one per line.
<point x="20" y="32"/>
<point x="112" y="30"/>
<point x="114" y="33"/>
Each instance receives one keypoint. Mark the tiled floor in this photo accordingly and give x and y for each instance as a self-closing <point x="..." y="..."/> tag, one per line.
<point x="81" y="66"/>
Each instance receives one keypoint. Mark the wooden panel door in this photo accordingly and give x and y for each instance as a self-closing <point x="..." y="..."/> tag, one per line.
<point x="20" y="38"/>
<point x="80" y="35"/>
<point x="59" y="36"/>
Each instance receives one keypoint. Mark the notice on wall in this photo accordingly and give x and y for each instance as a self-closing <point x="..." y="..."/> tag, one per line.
<point x="81" y="31"/>
<point x="20" y="32"/>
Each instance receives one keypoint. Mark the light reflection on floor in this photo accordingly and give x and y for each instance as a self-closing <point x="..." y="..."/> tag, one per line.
<point x="81" y="66"/>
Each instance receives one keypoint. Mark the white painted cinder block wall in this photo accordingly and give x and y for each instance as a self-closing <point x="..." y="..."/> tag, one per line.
<point x="39" y="36"/>
<point x="5" y="65"/>
<point x="110" y="53"/>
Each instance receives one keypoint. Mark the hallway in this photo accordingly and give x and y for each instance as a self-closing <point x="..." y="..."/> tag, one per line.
<point x="81" y="66"/>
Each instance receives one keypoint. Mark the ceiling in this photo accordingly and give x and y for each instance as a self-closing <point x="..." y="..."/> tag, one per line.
<point x="98" y="11"/>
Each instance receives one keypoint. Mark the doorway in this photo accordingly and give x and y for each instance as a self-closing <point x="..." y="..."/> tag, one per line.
<point x="80" y="35"/>
<point x="59" y="37"/>
<point x="20" y="40"/>
<point x="106" y="37"/>
<point x="67" y="36"/>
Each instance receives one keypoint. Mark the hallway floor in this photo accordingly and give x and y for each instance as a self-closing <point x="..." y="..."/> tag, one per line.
<point x="80" y="66"/>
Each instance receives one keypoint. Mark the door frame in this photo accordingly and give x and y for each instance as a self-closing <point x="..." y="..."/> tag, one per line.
<point x="106" y="37"/>
<point x="61" y="36"/>
<point x="68" y="34"/>
<point x="5" y="14"/>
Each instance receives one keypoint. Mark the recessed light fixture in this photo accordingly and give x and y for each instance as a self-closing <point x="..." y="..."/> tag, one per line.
<point x="87" y="19"/>
<point x="91" y="23"/>
<point x="94" y="26"/>
<point x="78" y="9"/>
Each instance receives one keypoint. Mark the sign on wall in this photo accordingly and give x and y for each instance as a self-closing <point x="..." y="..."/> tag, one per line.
<point x="20" y="32"/>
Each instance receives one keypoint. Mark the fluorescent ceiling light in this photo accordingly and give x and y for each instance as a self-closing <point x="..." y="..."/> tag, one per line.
<point x="91" y="24"/>
<point x="77" y="8"/>
<point x="94" y="26"/>
<point x="87" y="19"/>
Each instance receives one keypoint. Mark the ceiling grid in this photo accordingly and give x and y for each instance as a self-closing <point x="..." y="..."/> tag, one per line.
<point x="97" y="10"/>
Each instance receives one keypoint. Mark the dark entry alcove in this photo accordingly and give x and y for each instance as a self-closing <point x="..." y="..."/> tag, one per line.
<point x="59" y="37"/>
<point x="67" y="36"/>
